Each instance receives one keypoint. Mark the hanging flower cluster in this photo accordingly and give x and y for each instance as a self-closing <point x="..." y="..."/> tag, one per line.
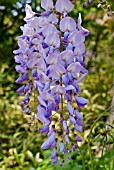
<point x="51" y="62"/>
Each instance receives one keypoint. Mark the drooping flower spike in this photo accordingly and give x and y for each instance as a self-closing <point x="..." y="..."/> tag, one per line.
<point x="50" y="60"/>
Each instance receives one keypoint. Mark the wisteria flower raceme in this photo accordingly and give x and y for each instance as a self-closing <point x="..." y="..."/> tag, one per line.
<point x="50" y="60"/>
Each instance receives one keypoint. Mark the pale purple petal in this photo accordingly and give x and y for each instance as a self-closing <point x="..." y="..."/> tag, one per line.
<point x="21" y="89"/>
<point x="76" y="38"/>
<point x="78" y="115"/>
<point x="27" y="31"/>
<point x="45" y="129"/>
<point x="48" y="29"/>
<point x="47" y="4"/>
<point x="53" y="58"/>
<point x="78" y="128"/>
<point x="78" y="138"/>
<point x="53" y="40"/>
<point x="67" y="24"/>
<point x="81" y="102"/>
<point x="72" y="120"/>
<point x="54" y="154"/>
<point x="31" y="63"/>
<point x="79" y="49"/>
<point x="29" y="12"/>
<point x="61" y="146"/>
<point x="67" y="56"/>
<point x="65" y="125"/>
<point x="79" y="21"/>
<point x="75" y="67"/>
<point x="78" y="122"/>
<point x="70" y="108"/>
<point x="70" y="87"/>
<point x="23" y="78"/>
<point x="81" y="78"/>
<point x="63" y="6"/>
<point x="20" y="69"/>
<point x="55" y="160"/>
<point x="42" y="102"/>
<point x="67" y="139"/>
<point x="41" y="64"/>
<point x="58" y="89"/>
<point x="53" y="18"/>
<point x="57" y="71"/>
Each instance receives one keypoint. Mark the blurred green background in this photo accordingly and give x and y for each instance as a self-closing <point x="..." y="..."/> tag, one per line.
<point x="19" y="143"/>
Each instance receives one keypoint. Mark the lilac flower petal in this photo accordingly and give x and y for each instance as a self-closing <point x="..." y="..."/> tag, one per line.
<point x="79" y="21"/>
<point x="29" y="12"/>
<point x="76" y="38"/>
<point x="67" y="24"/>
<point x="65" y="125"/>
<point x="81" y="78"/>
<point x="72" y="120"/>
<point x="70" y="87"/>
<point x="55" y="160"/>
<point x="42" y="102"/>
<point x="41" y="64"/>
<point x="67" y="139"/>
<point x="34" y="73"/>
<point x="67" y="56"/>
<point x="53" y="39"/>
<point x="79" y="49"/>
<point x="78" y="122"/>
<point x="48" y="29"/>
<point x="20" y="69"/>
<point x="47" y="96"/>
<point x="23" y="78"/>
<point x="78" y="128"/>
<point x="65" y="79"/>
<point x="54" y="154"/>
<point x="78" y="138"/>
<point x="48" y="114"/>
<point x="47" y="5"/>
<point x="84" y="31"/>
<point x="74" y="67"/>
<point x="42" y="118"/>
<point x="70" y="108"/>
<point x="21" y="89"/>
<point x="26" y="89"/>
<point x="57" y="70"/>
<point x="53" y="58"/>
<point x="43" y="77"/>
<point x="31" y="63"/>
<point x="81" y="102"/>
<point x="63" y="6"/>
<point x="78" y="115"/>
<point x="45" y="13"/>
<point x="59" y="89"/>
<point x="45" y="129"/>
<point x="53" y="18"/>
<point x="47" y="144"/>
<point x="27" y="31"/>
<point x="61" y="146"/>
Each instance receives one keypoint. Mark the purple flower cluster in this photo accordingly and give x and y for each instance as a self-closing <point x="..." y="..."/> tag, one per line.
<point x="51" y="62"/>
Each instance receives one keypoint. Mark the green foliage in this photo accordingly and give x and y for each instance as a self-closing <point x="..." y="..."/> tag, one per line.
<point x="20" y="144"/>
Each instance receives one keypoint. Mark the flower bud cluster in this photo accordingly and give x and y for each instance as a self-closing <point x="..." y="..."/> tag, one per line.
<point x="51" y="61"/>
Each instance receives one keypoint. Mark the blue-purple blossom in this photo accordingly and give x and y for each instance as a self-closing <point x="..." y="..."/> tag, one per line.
<point x="50" y="61"/>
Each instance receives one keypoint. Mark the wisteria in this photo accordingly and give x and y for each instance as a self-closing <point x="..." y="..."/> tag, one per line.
<point x="50" y="61"/>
